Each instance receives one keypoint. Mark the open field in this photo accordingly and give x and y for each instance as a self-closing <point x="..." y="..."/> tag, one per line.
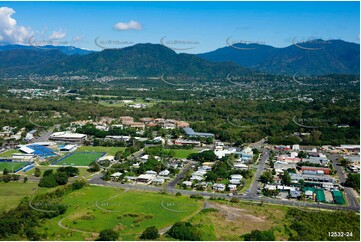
<point x="12" y="166"/>
<point x="229" y="221"/>
<point x="108" y="150"/>
<point x="11" y="193"/>
<point x="9" y="153"/>
<point x="79" y="158"/>
<point x="182" y="153"/>
<point x="93" y="209"/>
<point x="82" y="170"/>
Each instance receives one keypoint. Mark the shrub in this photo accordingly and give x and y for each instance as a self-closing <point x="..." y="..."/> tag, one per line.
<point x="108" y="235"/>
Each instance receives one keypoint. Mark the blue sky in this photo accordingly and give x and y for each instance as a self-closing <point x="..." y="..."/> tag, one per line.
<point x="191" y="27"/>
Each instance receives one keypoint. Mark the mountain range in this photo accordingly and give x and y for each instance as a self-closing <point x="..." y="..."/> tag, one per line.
<point x="317" y="57"/>
<point x="138" y="60"/>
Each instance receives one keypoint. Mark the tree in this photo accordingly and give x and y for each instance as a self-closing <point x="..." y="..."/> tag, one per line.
<point x="25" y="179"/>
<point x="69" y="170"/>
<point x="257" y="235"/>
<point x="266" y="177"/>
<point x="353" y="180"/>
<point x="15" y="177"/>
<point x="37" y="172"/>
<point x="61" y="178"/>
<point x="48" y="181"/>
<point x="118" y="155"/>
<point x="150" y="233"/>
<point x="344" y="162"/>
<point x="6" y="178"/>
<point x="5" y="171"/>
<point x="47" y="173"/>
<point x="184" y="231"/>
<point x="78" y="184"/>
<point x="94" y="167"/>
<point x="286" y="179"/>
<point x="108" y="235"/>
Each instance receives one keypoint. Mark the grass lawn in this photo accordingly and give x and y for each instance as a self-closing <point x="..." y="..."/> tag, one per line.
<point x="94" y="208"/>
<point x="182" y="153"/>
<point x="12" y="166"/>
<point x="9" y="153"/>
<point x="11" y="193"/>
<point x="108" y="150"/>
<point x="79" y="159"/>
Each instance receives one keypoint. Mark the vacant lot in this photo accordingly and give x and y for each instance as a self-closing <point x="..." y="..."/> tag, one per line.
<point x="93" y="209"/>
<point x="182" y="153"/>
<point x="228" y="221"/>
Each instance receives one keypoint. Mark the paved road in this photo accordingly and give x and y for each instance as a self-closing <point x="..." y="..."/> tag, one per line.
<point x="180" y="176"/>
<point x="349" y="192"/>
<point x="96" y="180"/>
<point x="260" y="170"/>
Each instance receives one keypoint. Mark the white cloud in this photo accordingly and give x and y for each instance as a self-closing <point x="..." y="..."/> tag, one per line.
<point x="10" y="32"/>
<point x="61" y="34"/>
<point x="132" y="25"/>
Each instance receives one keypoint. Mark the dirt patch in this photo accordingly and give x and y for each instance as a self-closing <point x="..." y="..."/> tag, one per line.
<point x="234" y="214"/>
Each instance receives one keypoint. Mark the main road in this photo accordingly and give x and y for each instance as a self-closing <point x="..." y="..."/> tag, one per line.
<point x="262" y="164"/>
<point x="349" y="192"/>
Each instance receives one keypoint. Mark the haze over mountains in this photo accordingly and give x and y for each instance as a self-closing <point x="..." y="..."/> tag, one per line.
<point x="311" y="58"/>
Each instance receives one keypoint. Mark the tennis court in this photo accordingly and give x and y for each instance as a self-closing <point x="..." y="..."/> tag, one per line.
<point x="79" y="158"/>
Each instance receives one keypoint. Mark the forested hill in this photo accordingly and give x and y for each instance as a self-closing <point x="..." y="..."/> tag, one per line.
<point x="316" y="57"/>
<point x="138" y="60"/>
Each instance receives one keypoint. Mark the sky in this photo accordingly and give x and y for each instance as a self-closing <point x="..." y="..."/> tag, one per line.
<point x="189" y="27"/>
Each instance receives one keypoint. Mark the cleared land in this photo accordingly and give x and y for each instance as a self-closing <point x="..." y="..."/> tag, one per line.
<point x="12" y="166"/>
<point x="79" y="158"/>
<point x="108" y="150"/>
<point x="228" y="221"/>
<point x="93" y="209"/>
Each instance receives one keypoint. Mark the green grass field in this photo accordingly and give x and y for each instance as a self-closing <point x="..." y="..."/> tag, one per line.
<point x="9" y="153"/>
<point x="182" y="153"/>
<point x="79" y="159"/>
<point x="11" y="193"/>
<point x="108" y="150"/>
<point x="12" y="166"/>
<point x="93" y="209"/>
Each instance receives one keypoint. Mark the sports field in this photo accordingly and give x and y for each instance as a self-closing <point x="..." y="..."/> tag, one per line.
<point x="12" y="166"/>
<point x="79" y="158"/>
